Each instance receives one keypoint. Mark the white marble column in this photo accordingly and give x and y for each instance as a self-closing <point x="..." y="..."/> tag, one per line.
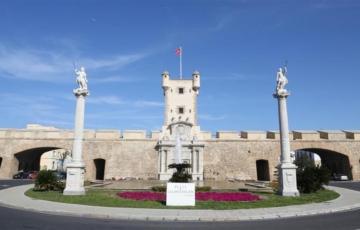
<point x="287" y="170"/>
<point x="76" y="169"/>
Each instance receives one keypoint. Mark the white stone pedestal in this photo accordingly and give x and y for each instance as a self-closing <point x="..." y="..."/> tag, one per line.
<point x="75" y="179"/>
<point x="288" y="183"/>
<point x="76" y="169"/>
<point x="180" y="194"/>
<point x="287" y="170"/>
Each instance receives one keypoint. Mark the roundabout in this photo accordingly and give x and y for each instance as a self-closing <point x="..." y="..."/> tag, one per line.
<point x="12" y="217"/>
<point x="14" y="197"/>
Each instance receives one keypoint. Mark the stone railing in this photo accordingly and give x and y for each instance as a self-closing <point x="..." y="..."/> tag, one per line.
<point x="306" y="135"/>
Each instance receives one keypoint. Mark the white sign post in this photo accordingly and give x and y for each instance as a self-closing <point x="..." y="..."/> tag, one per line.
<point x="180" y="194"/>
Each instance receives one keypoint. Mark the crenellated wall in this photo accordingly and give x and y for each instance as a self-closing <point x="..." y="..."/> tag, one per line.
<point x="133" y="153"/>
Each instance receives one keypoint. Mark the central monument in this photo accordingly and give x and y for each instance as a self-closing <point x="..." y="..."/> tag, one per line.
<point x="180" y="127"/>
<point x="76" y="169"/>
<point x="287" y="170"/>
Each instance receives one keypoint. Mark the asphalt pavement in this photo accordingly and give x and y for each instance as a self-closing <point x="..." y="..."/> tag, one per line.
<point x="19" y="219"/>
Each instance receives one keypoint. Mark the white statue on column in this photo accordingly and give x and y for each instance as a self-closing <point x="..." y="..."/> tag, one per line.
<point x="81" y="78"/>
<point x="76" y="169"/>
<point x="287" y="170"/>
<point x="281" y="80"/>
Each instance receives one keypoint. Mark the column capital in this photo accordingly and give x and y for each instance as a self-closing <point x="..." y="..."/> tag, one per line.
<point x="281" y="94"/>
<point x="81" y="92"/>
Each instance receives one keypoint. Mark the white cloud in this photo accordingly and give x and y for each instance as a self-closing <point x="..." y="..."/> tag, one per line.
<point x="111" y="100"/>
<point x="115" y="100"/>
<point x="115" y="79"/>
<point x="41" y="65"/>
<point x="209" y="117"/>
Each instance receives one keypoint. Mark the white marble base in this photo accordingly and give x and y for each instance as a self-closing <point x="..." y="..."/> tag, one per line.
<point x="180" y="194"/>
<point x="288" y="184"/>
<point x="75" y="179"/>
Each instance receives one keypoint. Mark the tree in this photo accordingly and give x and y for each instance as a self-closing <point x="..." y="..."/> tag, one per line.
<point x="310" y="178"/>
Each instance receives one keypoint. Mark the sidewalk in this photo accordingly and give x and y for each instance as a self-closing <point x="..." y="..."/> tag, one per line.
<point x="14" y="197"/>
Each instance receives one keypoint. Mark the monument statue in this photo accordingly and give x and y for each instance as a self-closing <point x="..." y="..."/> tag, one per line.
<point x="281" y="80"/>
<point x="81" y="78"/>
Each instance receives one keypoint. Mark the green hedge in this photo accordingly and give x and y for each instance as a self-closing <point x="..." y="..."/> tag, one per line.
<point x="310" y="178"/>
<point x="47" y="181"/>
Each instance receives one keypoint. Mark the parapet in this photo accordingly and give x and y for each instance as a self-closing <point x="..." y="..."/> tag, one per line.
<point x="155" y="135"/>
<point x="107" y="134"/>
<point x="206" y="135"/>
<point x="134" y="134"/>
<point x="253" y="135"/>
<point x="273" y="135"/>
<point x="306" y="135"/>
<point x="352" y="134"/>
<point x="228" y="135"/>
<point x="332" y="134"/>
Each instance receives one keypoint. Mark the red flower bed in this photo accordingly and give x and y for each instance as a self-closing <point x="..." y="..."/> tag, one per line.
<point x="226" y="196"/>
<point x="156" y="196"/>
<point x="199" y="196"/>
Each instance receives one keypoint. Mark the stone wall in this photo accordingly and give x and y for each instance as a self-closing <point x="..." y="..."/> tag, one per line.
<point x="134" y="154"/>
<point x="124" y="158"/>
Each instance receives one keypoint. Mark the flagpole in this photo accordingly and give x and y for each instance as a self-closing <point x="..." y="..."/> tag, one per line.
<point x="181" y="62"/>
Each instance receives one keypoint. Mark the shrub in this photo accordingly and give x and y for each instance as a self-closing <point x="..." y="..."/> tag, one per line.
<point x="158" y="188"/>
<point x="202" y="188"/>
<point x="47" y="180"/>
<point x="310" y="178"/>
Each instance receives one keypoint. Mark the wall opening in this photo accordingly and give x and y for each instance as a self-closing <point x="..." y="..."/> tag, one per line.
<point x="336" y="162"/>
<point x="262" y="170"/>
<point x="32" y="160"/>
<point x="100" y="168"/>
<point x="0" y="161"/>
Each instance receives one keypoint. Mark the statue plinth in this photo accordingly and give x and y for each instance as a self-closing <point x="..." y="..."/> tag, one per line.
<point x="287" y="176"/>
<point x="75" y="176"/>
<point x="81" y="92"/>
<point x="283" y="93"/>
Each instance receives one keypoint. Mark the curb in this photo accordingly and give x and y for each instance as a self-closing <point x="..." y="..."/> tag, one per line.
<point x="14" y="198"/>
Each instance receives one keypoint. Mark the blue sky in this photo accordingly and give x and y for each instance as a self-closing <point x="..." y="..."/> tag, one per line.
<point x="125" y="46"/>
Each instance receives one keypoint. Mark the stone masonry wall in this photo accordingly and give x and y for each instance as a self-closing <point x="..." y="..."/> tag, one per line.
<point x="231" y="158"/>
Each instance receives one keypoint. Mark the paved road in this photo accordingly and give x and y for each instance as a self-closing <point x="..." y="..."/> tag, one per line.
<point x="347" y="184"/>
<point x="18" y="219"/>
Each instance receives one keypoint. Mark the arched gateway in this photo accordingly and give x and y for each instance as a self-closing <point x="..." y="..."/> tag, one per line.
<point x="337" y="163"/>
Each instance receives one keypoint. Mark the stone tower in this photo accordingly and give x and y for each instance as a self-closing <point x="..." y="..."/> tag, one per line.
<point x="180" y="120"/>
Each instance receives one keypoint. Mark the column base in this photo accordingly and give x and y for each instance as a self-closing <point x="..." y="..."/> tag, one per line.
<point x="288" y="184"/>
<point x="197" y="177"/>
<point x="75" y="179"/>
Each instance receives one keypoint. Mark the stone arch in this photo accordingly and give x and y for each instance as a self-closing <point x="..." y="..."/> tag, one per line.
<point x="262" y="170"/>
<point x="29" y="159"/>
<point x="25" y="145"/>
<point x="99" y="164"/>
<point x="336" y="162"/>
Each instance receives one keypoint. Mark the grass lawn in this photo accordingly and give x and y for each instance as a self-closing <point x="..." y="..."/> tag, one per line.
<point x="108" y="198"/>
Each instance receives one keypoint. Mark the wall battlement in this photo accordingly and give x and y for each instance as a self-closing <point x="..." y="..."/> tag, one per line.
<point x="109" y="134"/>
